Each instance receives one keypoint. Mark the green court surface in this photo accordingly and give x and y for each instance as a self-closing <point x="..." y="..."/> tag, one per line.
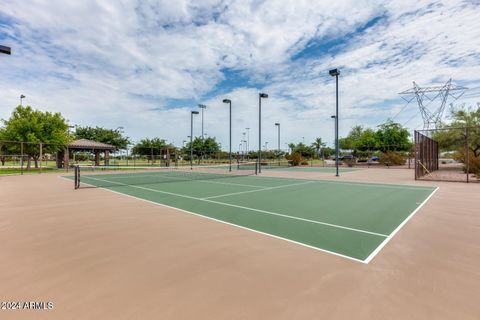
<point x="352" y="220"/>
<point x="313" y="169"/>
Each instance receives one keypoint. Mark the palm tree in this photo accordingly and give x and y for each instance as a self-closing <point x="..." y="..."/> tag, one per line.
<point x="318" y="144"/>
<point x="291" y="146"/>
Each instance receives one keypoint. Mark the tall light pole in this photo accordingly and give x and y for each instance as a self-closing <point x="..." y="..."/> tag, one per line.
<point x="260" y="96"/>
<point x="5" y="50"/>
<point x="278" y="125"/>
<point x="248" y="140"/>
<point x="244" y="149"/>
<point x="335" y="73"/>
<point x="191" y="138"/>
<point x="21" y="99"/>
<point x="230" y="133"/>
<point x="203" y="107"/>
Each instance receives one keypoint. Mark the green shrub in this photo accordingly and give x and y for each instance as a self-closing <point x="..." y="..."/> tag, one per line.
<point x="296" y="159"/>
<point x="304" y="163"/>
<point x="392" y="158"/>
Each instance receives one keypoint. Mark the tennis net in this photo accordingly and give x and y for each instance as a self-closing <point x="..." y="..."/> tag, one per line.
<point x="116" y="176"/>
<point x="277" y="164"/>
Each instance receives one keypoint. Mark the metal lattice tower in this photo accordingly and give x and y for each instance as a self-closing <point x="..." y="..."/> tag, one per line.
<point x="433" y="117"/>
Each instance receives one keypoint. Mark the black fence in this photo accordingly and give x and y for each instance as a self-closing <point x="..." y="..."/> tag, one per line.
<point x="448" y="154"/>
<point x="426" y="155"/>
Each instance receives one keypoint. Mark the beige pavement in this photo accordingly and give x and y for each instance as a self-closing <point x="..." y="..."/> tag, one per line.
<point x="100" y="255"/>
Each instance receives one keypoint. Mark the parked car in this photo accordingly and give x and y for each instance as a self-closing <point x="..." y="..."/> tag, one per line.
<point x="346" y="157"/>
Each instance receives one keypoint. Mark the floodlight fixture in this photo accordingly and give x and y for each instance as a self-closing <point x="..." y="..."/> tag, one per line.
<point x="5" y="50"/>
<point x="334" y="72"/>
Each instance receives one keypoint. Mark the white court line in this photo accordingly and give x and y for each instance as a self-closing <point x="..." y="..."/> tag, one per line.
<point x="353" y="183"/>
<point x="264" y="189"/>
<point x="384" y="243"/>
<point x="227" y="223"/>
<point x="247" y="208"/>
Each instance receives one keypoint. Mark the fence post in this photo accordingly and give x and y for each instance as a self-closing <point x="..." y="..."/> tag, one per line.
<point x="467" y="154"/>
<point x="41" y="156"/>
<point x="21" y="157"/>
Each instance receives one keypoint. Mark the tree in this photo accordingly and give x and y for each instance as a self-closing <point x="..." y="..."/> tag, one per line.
<point x="367" y="141"/>
<point x="110" y="136"/>
<point x="291" y="145"/>
<point x="392" y="136"/>
<point x="318" y="145"/>
<point x="352" y="140"/>
<point x="152" y="148"/>
<point x="452" y="137"/>
<point x="202" y="147"/>
<point x="303" y="150"/>
<point x="32" y="127"/>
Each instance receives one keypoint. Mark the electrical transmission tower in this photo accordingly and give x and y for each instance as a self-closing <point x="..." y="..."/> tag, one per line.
<point x="425" y="96"/>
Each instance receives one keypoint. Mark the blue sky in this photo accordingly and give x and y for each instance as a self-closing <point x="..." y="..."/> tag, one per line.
<point x="144" y="65"/>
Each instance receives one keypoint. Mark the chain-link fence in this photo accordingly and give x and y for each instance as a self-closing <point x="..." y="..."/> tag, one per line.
<point x="21" y="157"/>
<point x="448" y="154"/>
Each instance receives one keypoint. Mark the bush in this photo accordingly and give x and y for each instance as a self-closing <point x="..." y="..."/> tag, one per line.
<point x="350" y="162"/>
<point x="296" y="159"/>
<point x="304" y="163"/>
<point x="392" y="158"/>
<point x="473" y="166"/>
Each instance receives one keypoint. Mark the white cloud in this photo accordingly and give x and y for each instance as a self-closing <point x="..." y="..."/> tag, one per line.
<point x="108" y="64"/>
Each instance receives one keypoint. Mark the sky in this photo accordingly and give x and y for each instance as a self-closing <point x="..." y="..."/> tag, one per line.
<point x="144" y="65"/>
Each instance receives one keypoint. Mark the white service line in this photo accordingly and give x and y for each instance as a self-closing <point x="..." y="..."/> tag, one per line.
<point x="247" y="208"/>
<point x="264" y="189"/>
<point x="352" y="183"/>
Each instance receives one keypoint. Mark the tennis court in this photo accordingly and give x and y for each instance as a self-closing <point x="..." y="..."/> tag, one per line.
<point x="349" y="219"/>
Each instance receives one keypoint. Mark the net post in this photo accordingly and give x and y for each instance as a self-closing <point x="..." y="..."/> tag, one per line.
<point x="77" y="176"/>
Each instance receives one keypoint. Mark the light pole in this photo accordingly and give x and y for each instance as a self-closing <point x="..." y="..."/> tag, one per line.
<point x="244" y="149"/>
<point x="260" y="96"/>
<point x="5" y="50"/>
<point x="230" y="133"/>
<point x="191" y="138"/>
<point x="203" y="107"/>
<point x="248" y="140"/>
<point x="21" y="99"/>
<point x="278" y="125"/>
<point x="335" y="73"/>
